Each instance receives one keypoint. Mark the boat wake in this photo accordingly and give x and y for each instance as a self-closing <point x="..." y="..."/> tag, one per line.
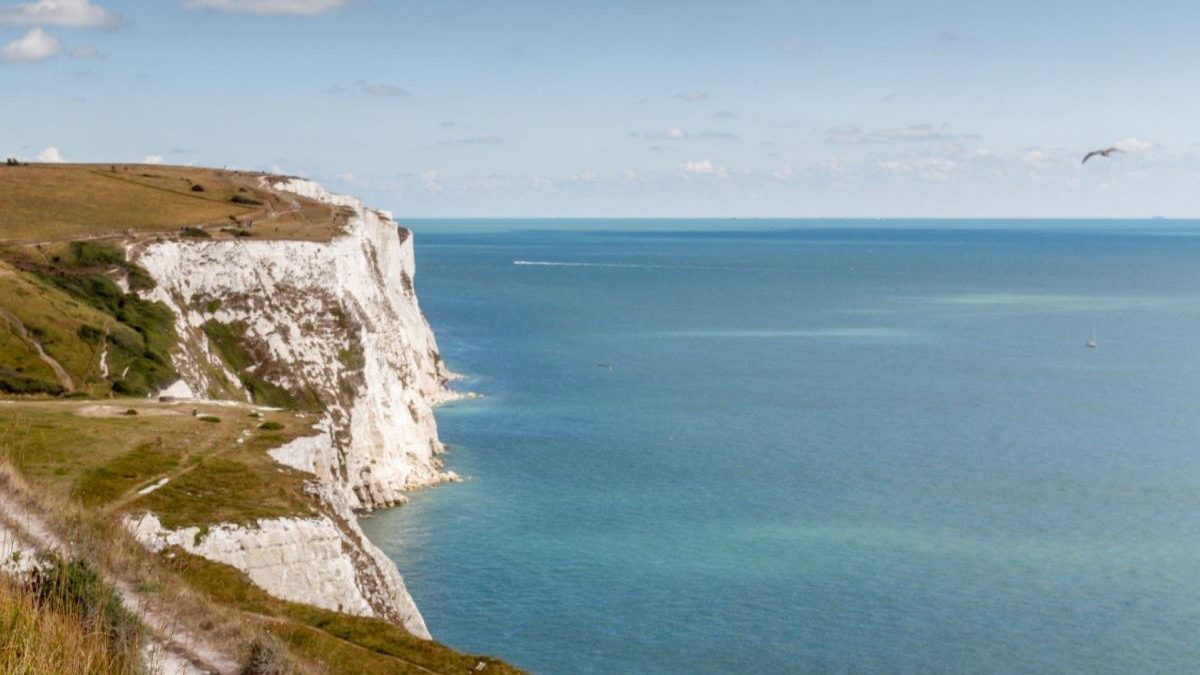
<point x="549" y="263"/>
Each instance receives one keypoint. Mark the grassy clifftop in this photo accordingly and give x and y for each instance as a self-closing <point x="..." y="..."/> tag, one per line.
<point x="57" y="202"/>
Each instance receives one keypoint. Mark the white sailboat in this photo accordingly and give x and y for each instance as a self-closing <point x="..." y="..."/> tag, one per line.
<point x="1092" y="342"/>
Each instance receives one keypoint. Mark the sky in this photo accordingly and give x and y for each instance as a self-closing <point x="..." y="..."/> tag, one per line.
<point x="655" y="108"/>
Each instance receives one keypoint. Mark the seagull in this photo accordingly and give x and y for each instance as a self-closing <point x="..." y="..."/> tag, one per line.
<point x="1103" y="153"/>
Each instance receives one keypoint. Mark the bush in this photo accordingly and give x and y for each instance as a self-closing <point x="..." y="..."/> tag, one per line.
<point x="245" y="201"/>
<point x="195" y="233"/>
<point x="131" y="411"/>
<point x="212" y="419"/>
<point x="76" y="587"/>
<point x="89" y="254"/>
<point x="90" y="334"/>
<point x="270" y="426"/>
<point x="40" y="640"/>
<point x="197" y="188"/>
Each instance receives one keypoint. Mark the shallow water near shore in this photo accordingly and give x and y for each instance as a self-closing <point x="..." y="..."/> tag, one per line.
<point x="800" y="448"/>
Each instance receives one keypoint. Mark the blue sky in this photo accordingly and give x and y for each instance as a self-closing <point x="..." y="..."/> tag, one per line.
<point x="664" y="108"/>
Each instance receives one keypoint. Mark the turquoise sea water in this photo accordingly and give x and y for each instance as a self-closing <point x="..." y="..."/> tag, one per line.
<point x="827" y="450"/>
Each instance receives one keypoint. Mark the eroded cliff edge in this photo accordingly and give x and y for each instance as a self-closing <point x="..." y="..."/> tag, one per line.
<point x="333" y="328"/>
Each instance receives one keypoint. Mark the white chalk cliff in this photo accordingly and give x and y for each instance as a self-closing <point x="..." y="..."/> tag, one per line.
<point x="337" y="321"/>
<point x="335" y="325"/>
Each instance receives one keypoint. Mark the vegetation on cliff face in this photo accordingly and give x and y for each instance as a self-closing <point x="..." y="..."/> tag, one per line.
<point x="344" y="644"/>
<point x="254" y="368"/>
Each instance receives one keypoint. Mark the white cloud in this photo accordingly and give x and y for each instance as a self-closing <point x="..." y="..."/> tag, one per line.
<point x="294" y="7"/>
<point x="37" y="45"/>
<point x="702" y="167"/>
<point x="430" y="182"/>
<point x="50" y="155"/>
<point x="58" y="13"/>
<point x="1034" y="158"/>
<point x="152" y="159"/>
<point x="852" y="135"/>
<point x="1134" y="145"/>
<point x="928" y="167"/>
<point x="672" y="134"/>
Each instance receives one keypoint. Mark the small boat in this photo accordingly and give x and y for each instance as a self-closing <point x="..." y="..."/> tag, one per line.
<point x="1092" y="342"/>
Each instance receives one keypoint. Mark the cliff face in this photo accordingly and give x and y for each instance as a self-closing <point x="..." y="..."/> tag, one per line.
<point x="333" y="328"/>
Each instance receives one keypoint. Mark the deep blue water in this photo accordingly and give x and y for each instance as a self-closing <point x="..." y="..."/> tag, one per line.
<point x="838" y="450"/>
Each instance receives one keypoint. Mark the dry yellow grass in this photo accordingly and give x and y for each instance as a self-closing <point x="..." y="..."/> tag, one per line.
<point x="37" y="640"/>
<point x="61" y="202"/>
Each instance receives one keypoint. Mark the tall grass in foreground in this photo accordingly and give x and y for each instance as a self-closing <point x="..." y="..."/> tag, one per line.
<point x="37" y="638"/>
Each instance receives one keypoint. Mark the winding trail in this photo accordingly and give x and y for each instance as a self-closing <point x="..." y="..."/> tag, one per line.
<point x="171" y="649"/>
<point x="60" y="373"/>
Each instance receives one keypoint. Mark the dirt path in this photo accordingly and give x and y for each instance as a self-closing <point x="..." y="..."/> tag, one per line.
<point x="173" y="650"/>
<point x="60" y="373"/>
<point x="140" y="490"/>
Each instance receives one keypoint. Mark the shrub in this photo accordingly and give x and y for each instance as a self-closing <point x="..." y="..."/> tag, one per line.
<point x="270" y="426"/>
<point x="197" y="188"/>
<point x="195" y="233"/>
<point x="75" y="586"/>
<point x="40" y="640"/>
<point x="131" y="411"/>
<point x="245" y="201"/>
<point x="90" y="334"/>
<point x="89" y="254"/>
<point x="212" y="419"/>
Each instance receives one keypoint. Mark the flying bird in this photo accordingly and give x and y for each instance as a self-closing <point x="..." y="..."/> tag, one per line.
<point x="1103" y="153"/>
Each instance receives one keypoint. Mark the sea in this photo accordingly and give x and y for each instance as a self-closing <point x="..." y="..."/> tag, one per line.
<point x="724" y="446"/>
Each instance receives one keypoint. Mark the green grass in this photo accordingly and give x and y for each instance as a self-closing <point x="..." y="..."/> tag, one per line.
<point x="344" y="644"/>
<point x="98" y="460"/>
<point x="104" y="483"/>
<point x="223" y="489"/>
<point x="68" y="303"/>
